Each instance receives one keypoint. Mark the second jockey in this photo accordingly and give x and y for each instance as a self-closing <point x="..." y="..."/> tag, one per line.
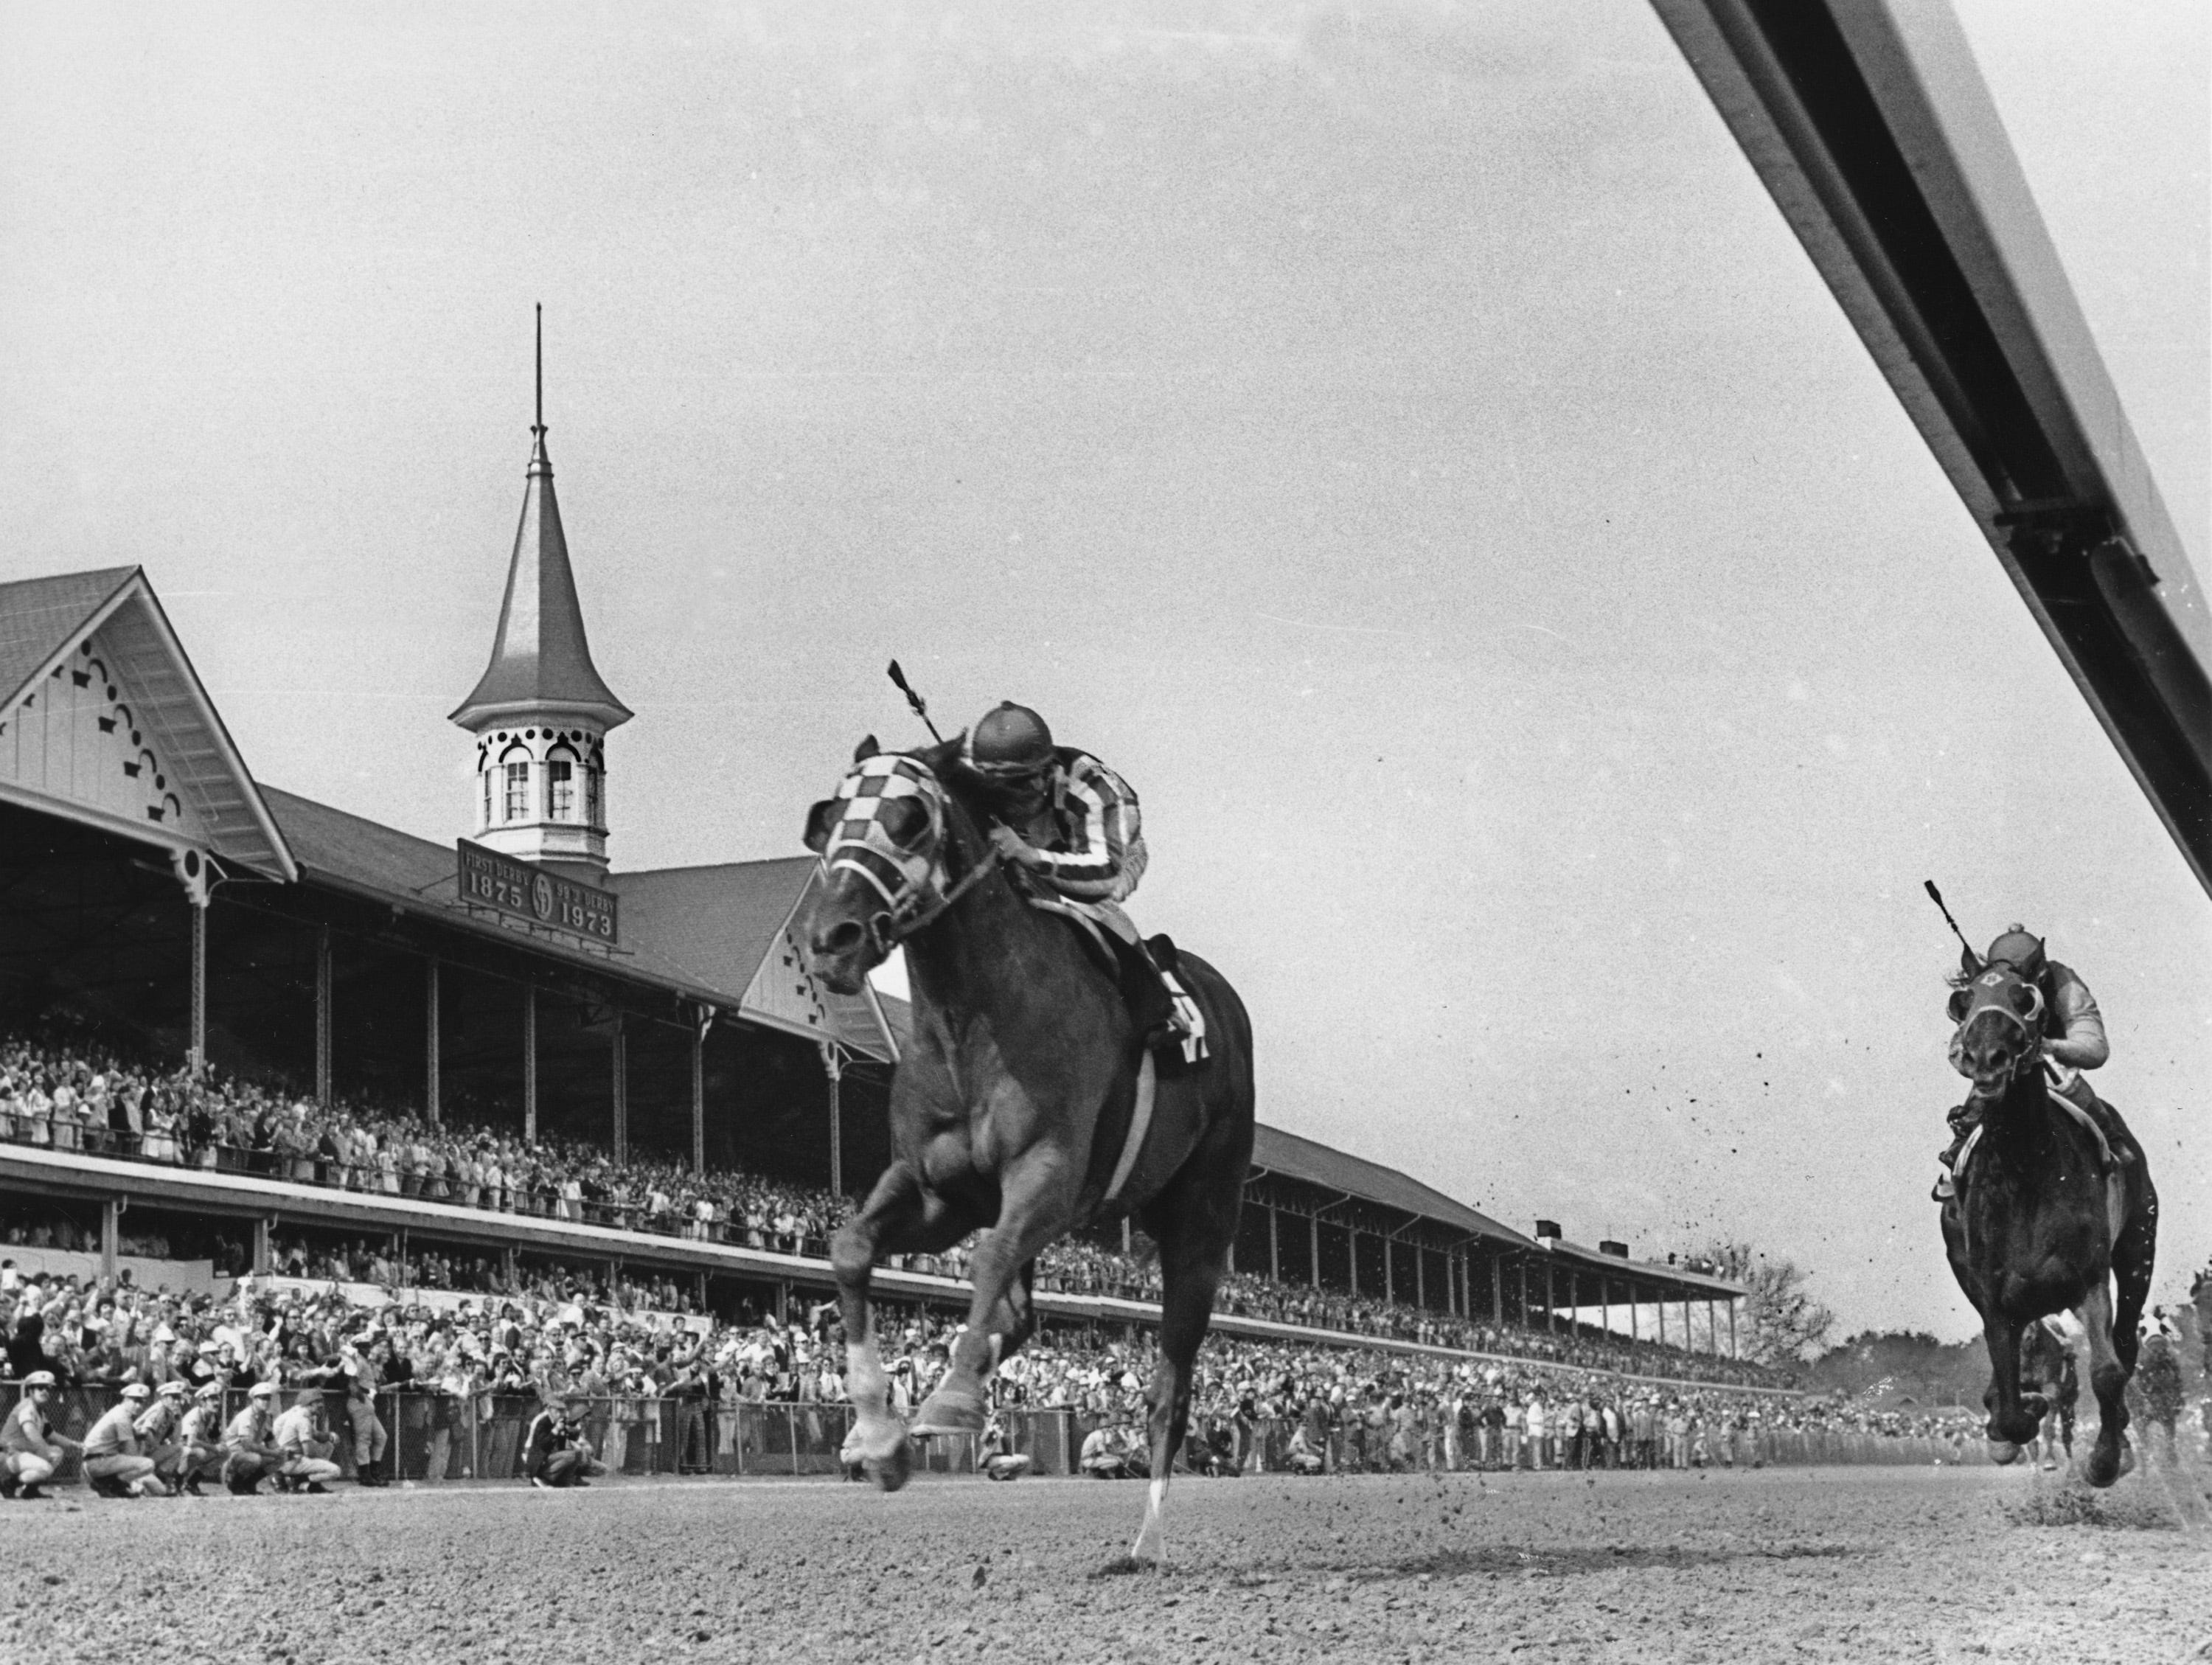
<point x="2072" y="1040"/>
<point x="1073" y="825"/>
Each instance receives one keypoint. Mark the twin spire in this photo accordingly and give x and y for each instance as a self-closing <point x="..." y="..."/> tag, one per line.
<point x="541" y="662"/>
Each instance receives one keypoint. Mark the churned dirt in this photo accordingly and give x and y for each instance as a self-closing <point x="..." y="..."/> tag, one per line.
<point x="1870" y="1563"/>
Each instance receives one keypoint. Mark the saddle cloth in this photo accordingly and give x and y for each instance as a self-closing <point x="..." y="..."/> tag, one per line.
<point x="1103" y="924"/>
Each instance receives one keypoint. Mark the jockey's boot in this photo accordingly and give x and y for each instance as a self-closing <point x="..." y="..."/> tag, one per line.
<point x="1963" y="1119"/>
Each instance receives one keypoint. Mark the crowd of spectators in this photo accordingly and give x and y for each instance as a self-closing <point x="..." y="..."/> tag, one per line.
<point x="74" y="1097"/>
<point x="1310" y="1405"/>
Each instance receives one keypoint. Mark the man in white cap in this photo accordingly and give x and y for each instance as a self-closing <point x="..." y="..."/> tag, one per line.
<point x="113" y="1466"/>
<point x="304" y="1444"/>
<point x="200" y="1437"/>
<point x="30" y="1450"/>
<point x="248" y="1452"/>
<point x="157" y="1430"/>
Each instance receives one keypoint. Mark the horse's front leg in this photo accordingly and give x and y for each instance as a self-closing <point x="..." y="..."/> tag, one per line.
<point x="2011" y="1424"/>
<point x="901" y="1216"/>
<point x="2108" y="1378"/>
<point x="1036" y="1201"/>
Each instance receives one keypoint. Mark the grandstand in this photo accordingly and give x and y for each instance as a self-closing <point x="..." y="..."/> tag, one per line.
<point x="158" y="902"/>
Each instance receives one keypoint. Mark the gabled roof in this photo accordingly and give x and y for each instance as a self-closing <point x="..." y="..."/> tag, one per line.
<point x="417" y="875"/>
<point x="728" y="922"/>
<point x="540" y="660"/>
<point x="1687" y="1283"/>
<point x="111" y="616"/>
<point x="1274" y="1151"/>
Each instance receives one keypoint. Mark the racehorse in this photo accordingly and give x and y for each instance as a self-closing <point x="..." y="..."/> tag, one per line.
<point x="2046" y="1362"/>
<point x="2042" y="1223"/>
<point x="1019" y="1103"/>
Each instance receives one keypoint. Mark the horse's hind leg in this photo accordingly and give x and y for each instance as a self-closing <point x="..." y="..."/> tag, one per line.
<point x="1194" y="1221"/>
<point x="901" y="1216"/>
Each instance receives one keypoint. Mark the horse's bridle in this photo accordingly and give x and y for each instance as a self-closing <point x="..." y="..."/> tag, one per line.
<point x="1983" y="997"/>
<point x="915" y="885"/>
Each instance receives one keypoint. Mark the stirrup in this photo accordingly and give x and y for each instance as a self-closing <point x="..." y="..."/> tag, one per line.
<point x="1945" y="1188"/>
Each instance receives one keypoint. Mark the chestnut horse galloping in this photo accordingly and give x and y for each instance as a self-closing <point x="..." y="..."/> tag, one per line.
<point x="1016" y="1105"/>
<point x="2041" y="1223"/>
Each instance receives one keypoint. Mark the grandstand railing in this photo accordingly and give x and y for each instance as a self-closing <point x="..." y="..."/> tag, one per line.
<point x="438" y="1438"/>
<point x="257" y="1178"/>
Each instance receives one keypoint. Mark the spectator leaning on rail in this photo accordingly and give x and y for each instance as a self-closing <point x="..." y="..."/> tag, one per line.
<point x="369" y="1435"/>
<point x="113" y="1465"/>
<point x="30" y="1450"/>
<point x="304" y="1445"/>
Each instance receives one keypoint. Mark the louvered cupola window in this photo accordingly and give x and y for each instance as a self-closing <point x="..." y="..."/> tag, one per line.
<point x="593" y="796"/>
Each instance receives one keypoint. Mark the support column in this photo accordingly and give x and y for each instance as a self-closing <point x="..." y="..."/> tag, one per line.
<point x="1352" y="1256"/>
<point x="1497" y="1290"/>
<point x="1524" y="1290"/>
<point x="1313" y="1237"/>
<point x="1734" y="1351"/>
<point x="431" y="1069"/>
<point x="323" y="1014"/>
<point x="699" y="1094"/>
<point x="1275" y="1244"/>
<point x="198" y="1054"/>
<point x="1632" y="1310"/>
<point x="1550" y="1300"/>
<point x="1605" y="1303"/>
<point x="1127" y="1248"/>
<point x="1420" y="1277"/>
<point x="621" y="1106"/>
<point x="833" y="1066"/>
<point x="530" y="1062"/>
<point x="265" y="1256"/>
<point x="1574" y="1302"/>
<point x="110" y="1235"/>
<point x="1660" y="1304"/>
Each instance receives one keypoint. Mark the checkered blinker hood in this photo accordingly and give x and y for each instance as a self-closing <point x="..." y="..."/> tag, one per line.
<point x="906" y="875"/>
<point x="2002" y="990"/>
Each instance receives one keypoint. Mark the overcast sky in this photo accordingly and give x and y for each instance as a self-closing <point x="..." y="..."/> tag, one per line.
<point x="1406" y="440"/>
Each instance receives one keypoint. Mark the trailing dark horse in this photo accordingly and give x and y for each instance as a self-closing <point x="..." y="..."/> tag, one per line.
<point x="1015" y="1107"/>
<point x="2042" y="1223"/>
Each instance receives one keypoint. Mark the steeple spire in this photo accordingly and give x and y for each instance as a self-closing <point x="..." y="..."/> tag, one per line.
<point x="540" y="657"/>
<point x="541" y="711"/>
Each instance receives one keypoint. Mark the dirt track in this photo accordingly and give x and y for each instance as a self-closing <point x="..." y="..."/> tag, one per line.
<point x="1834" y="1564"/>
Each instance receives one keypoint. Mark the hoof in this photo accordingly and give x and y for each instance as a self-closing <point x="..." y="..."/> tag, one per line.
<point x="891" y="1473"/>
<point x="2003" y="1451"/>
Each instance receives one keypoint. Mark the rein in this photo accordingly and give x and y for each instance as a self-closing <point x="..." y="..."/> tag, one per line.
<point x="921" y="919"/>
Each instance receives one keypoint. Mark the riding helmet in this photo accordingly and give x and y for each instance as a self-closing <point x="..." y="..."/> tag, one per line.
<point x="1011" y="742"/>
<point x="2020" y="949"/>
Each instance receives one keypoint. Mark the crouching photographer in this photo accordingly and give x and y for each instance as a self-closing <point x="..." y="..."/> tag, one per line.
<point x="555" y="1453"/>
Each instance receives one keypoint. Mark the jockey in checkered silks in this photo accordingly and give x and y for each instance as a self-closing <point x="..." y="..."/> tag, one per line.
<point x="2072" y="1040"/>
<point x="1072" y="826"/>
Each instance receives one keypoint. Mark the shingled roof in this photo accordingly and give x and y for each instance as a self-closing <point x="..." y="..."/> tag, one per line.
<point x="540" y="658"/>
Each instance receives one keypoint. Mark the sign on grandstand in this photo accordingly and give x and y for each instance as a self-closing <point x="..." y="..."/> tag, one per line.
<point x="488" y="880"/>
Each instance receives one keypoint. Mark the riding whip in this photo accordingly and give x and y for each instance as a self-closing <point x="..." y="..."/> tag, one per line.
<point x="1936" y="896"/>
<point x="920" y="708"/>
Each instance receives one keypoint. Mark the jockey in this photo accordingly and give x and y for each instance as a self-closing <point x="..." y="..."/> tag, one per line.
<point x="1073" y="825"/>
<point x="2072" y="1040"/>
